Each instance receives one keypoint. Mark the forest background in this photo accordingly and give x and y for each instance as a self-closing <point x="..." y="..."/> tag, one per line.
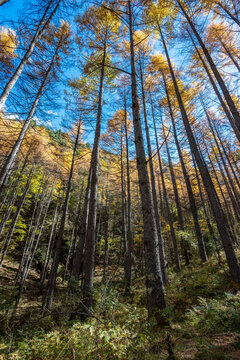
<point x="119" y="182"/>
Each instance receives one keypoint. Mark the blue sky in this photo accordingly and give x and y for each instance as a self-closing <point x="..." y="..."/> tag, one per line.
<point x="10" y="10"/>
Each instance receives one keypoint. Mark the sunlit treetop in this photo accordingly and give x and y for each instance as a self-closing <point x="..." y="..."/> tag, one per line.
<point x="8" y="46"/>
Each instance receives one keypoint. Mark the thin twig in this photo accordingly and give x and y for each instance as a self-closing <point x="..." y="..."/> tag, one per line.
<point x="159" y="148"/>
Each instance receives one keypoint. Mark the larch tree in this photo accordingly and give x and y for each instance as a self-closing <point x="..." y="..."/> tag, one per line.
<point x="60" y="38"/>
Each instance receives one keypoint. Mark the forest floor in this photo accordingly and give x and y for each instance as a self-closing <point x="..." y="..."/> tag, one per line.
<point x="203" y="312"/>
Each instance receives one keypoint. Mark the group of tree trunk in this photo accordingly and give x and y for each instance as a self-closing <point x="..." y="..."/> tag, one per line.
<point x="190" y="173"/>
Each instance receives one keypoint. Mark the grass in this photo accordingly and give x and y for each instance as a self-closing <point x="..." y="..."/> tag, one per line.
<point x="203" y="309"/>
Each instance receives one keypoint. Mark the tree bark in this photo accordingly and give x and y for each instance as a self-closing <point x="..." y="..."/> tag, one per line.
<point x="177" y="199"/>
<point x="89" y="261"/>
<point x="153" y="183"/>
<point x="129" y="253"/>
<point x="78" y="254"/>
<point x="193" y="206"/>
<point x="155" y="288"/>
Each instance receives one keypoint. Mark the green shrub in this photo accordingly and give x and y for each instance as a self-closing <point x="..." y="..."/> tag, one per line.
<point x="222" y="314"/>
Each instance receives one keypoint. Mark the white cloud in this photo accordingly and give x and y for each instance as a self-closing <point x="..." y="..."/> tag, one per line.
<point x="51" y="112"/>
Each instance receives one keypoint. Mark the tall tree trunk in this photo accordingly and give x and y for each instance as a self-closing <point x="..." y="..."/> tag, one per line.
<point x="123" y="186"/>
<point x="221" y="221"/>
<point x="89" y="260"/>
<point x="177" y="199"/>
<point x="229" y="190"/>
<point x="210" y="228"/>
<point x="153" y="183"/>
<point x="106" y="235"/>
<point x="155" y="288"/>
<point x="129" y="253"/>
<point x="169" y="218"/>
<point x="53" y="235"/>
<point x="78" y="254"/>
<point x="193" y="206"/>
<point x="76" y="227"/>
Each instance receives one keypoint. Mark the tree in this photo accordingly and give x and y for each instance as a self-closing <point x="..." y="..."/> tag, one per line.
<point x="104" y="28"/>
<point x="156" y="298"/>
<point x="62" y="36"/>
<point x="48" y="14"/>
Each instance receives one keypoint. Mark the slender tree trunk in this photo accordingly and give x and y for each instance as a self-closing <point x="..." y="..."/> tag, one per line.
<point x="44" y="270"/>
<point x="69" y="254"/>
<point x="89" y="261"/>
<point x="78" y="255"/>
<point x="123" y="188"/>
<point x="129" y="252"/>
<point x="193" y="206"/>
<point x="27" y="268"/>
<point x="155" y="288"/>
<point x="76" y="227"/>
<point x="227" y="208"/>
<point x="106" y="235"/>
<point x="169" y="217"/>
<point x="177" y="200"/>
<point x="52" y="240"/>
<point x="221" y="222"/>
<point x="153" y="183"/>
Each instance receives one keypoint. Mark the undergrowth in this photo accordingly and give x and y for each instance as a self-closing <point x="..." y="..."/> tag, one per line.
<point x="202" y="301"/>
